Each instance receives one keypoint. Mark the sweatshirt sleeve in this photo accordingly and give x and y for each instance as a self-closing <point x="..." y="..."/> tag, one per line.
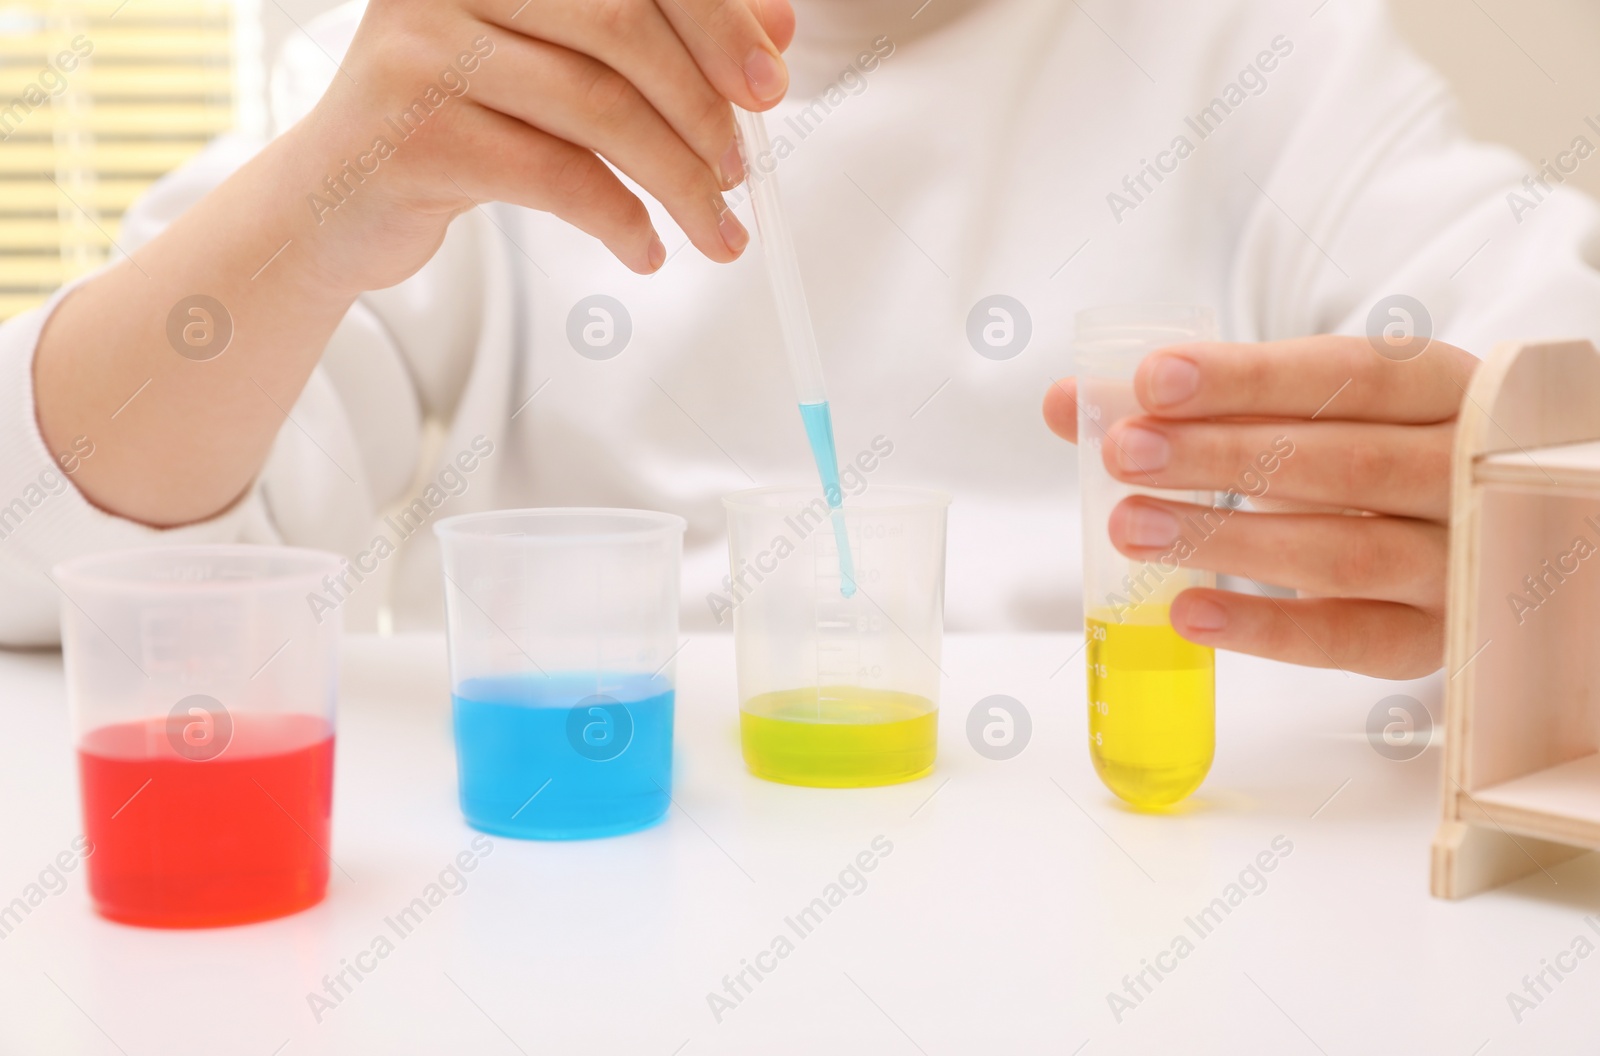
<point x="351" y="444"/>
<point x="44" y="519"/>
<point x="1378" y="192"/>
<point x="348" y="445"/>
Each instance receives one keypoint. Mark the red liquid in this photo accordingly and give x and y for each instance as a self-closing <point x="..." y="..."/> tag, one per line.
<point x="229" y="840"/>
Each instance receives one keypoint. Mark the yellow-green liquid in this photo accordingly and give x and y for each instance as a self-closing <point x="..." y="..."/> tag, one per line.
<point x="1152" y="706"/>
<point x="839" y="736"/>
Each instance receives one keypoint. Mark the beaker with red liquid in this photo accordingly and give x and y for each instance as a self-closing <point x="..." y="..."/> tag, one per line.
<point x="202" y="682"/>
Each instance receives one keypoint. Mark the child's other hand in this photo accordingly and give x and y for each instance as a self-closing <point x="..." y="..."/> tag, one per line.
<point x="1369" y="468"/>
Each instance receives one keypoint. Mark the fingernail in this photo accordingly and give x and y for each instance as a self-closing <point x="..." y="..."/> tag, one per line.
<point x="1141" y="450"/>
<point x="732" y="167"/>
<point x="657" y="254"/>
<point x="1173" y="380"/>
<point x="1150" y="527"/>
<point x="1202" y="615"/>
<point x="734" y="236"/>
<point x="765" y="75"/>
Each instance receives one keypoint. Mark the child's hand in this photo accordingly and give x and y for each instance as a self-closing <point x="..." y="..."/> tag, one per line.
<point x="1371" y="453"/>
<point x="528" y="96"/>
<point x="437" y="106"/>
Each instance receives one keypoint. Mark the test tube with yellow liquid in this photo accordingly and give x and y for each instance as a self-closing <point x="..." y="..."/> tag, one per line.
<point x="1152" y="693"/>
<point x="837" y="690"/>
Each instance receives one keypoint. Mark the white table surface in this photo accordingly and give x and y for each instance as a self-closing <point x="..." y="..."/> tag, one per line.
<point x="1016" y="896"/>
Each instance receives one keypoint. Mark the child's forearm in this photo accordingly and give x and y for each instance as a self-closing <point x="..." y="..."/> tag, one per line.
<point x="180" y="363"/>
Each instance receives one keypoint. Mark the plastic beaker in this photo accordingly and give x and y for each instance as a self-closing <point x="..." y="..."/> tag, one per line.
<point x="1152" y="694"/>
<point x="833" y="691"/>
<point x="201" y="682"/>
<point x="563" y="628"/>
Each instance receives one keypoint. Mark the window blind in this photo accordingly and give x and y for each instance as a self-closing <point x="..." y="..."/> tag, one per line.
<point x="98" y="99"/>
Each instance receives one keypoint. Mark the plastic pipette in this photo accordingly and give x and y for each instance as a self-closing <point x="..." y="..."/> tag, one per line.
<point x="794" y="320"/>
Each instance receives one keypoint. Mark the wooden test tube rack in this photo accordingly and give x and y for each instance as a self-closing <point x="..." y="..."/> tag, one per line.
<point x="1522" y="697"/>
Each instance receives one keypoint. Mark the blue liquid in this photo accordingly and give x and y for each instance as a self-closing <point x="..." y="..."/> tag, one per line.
<point x="819" y="430"/>
<point x="566" y="757"/>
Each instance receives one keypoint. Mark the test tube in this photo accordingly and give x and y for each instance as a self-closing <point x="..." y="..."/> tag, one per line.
<point x="1152" y="693"/>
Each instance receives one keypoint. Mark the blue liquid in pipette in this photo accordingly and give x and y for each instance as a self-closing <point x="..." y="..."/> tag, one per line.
<point x="532" y="769"/>
<point x="819" y="430"/>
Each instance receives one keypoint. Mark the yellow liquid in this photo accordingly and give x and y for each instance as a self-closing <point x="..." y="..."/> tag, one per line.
<point x="1152" y="707"/>
<point x="839" y="736"/>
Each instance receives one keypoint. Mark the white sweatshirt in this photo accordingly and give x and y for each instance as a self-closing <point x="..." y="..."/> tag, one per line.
<point x="1289" y="164"/>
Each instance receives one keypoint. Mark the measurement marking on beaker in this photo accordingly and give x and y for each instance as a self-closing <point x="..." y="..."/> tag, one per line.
<point x="271" y="658"/>
<point x="839" y="662"/>
<point x="307" y="835"/>
<point x="1092" y="415"/>
<point x="1336" y="791"/>
<point x="531" y="798"/>
<point x="703" y="832"/>
<point x="97" y="626"/>
<point x="1102" y="828"/>
<point x="85" y="1015"/>
<point x="935" y="792"/>
<point x="491" y="619"/>
<point x="902" y="630"/>
<point x="131" y="798"/>
<point x="886" y="1015"/>
<point x="485" y="1015"/>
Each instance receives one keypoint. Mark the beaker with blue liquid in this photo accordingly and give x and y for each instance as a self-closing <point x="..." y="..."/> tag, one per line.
<point x="563" y="627"/>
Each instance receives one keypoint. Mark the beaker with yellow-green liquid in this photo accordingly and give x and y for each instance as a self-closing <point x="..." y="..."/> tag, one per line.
<point x="836" y="690"/>
<point x="1152" y="693"/>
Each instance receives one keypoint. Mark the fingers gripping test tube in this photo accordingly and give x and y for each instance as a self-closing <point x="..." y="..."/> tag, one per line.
<point x="794" y="320"/>
<point x="1152" y="694"/>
